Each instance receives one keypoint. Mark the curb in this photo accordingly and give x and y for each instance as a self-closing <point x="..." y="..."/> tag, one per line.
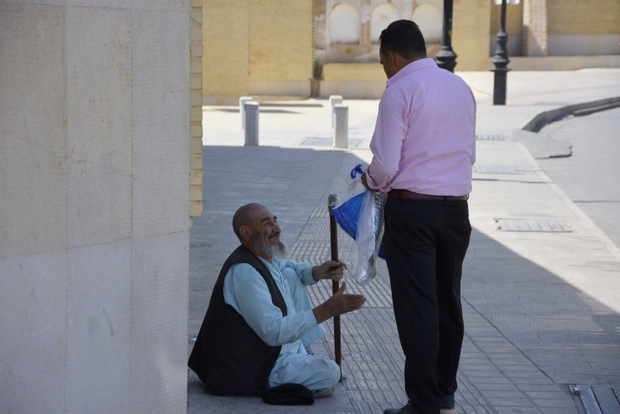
<point x="580" y="109"/>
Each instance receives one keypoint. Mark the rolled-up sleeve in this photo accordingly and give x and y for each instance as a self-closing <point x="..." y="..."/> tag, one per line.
<point x="303" y="270"/>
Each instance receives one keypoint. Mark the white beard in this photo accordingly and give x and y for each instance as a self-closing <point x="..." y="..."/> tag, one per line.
<point x="278" y="251"/>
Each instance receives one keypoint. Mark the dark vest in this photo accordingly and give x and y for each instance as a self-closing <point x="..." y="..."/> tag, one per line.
<point x="228" y="356"/>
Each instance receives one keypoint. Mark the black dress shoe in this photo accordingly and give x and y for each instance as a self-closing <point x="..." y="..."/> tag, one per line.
<point x="407" y="409"/>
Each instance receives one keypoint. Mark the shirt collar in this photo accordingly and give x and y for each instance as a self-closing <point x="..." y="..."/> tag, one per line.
<point x="274" y="262"/>
<point x="412" y="67"/>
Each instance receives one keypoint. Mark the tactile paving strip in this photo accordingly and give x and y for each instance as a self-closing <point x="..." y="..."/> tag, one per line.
<point x="490" y="137"/>
<point x="498" y="169"/>
<point x="533" y="225"/>
<point x="371" y="352"/>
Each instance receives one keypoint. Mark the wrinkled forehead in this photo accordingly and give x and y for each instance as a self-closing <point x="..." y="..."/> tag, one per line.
<point x="262" y="215"/>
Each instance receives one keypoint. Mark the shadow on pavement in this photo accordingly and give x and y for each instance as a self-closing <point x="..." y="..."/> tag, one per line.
<point x="529" y="334"/>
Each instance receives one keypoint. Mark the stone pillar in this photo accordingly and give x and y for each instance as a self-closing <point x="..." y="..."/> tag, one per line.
<point x="251" y="123"/>
<point x="95" y="196"/>
<point x="333" y="100"/>
<point x="242" y="102"/>
<point x="341" y="135"/>
<point x="535" y="42"/>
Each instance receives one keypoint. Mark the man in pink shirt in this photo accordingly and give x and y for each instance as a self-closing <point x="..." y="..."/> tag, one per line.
<point x="423" y="150"/>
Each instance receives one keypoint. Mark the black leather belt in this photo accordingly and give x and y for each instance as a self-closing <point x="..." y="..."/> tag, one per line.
<point x="410" y="195"/>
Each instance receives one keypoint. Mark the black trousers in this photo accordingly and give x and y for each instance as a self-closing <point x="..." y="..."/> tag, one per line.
<point x="425" y="245"/>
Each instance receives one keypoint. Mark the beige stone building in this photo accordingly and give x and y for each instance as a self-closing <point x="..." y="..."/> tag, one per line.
<point x="325" y="47"/>
<point x="101" y="157"/>
<point x="100" y="127"/>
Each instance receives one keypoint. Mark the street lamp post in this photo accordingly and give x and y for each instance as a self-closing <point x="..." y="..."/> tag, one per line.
<point x="445" y="57"/>
<point x="500" y="60"/>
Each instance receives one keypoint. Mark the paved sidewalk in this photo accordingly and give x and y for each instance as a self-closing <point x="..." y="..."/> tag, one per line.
<point x="541" y="284"/>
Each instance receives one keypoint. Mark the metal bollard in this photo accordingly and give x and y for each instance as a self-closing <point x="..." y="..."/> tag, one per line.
<point x="242" y="101"/>
<point x="251" y="123"/>
<point x="333" y="100"/>
<point x="341" y="134"/>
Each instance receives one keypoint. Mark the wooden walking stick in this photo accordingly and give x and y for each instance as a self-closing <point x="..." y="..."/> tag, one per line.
<point x="332" y="201"/>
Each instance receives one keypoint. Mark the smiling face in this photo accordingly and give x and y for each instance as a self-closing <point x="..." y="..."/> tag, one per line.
<point x="261" y="234"/>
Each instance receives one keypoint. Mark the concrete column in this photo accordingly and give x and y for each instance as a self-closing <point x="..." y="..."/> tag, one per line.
<point x="110" y="266"/>
<point x="341" y="135"/>
<point x="242" y="101"/>
<point x="251" y="109"/>
<point x="333" y="100"/>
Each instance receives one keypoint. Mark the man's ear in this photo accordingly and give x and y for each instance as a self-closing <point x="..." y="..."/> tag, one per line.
<point x="245" y="232"/>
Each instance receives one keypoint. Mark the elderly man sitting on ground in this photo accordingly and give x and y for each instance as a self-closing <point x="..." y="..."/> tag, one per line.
<point x="260" y="319"/>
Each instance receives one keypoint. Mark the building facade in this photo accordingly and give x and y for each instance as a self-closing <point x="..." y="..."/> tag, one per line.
<point x="325" y="47"/>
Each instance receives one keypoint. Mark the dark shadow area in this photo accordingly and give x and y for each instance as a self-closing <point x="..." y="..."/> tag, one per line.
<point x="504" y="180"/>
<point x="290" y="182"/>
<point x="262" y="110"/>
<point x="292" y="104"/>
<point x="547" y="319"/>
<point x="527" y="329"/>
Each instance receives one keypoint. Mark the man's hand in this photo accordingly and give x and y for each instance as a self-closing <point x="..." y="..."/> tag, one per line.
<point x="328" y="270"/>
<point x="338" y="304"/>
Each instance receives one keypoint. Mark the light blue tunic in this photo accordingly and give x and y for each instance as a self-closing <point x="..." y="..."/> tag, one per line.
<point x="246" y="291"/>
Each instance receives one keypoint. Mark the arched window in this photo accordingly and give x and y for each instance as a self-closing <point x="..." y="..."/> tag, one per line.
<point x="344" y="25"/>
<point x="381" y="17"/>
<point x="430" y="19"/>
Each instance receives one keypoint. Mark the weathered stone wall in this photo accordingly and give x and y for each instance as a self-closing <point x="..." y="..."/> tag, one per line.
<point x="226" y="58"/>
<point x="94" y="205"/>
<point x="257" y="47"/>
<point x="470" y="26"/>
<point x="583" y="27"/>
<point x="196" y="53"/>
<point x="548" y="28"/>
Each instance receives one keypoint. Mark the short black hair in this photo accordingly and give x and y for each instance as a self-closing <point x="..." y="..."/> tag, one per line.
<point x="405" y="38"/>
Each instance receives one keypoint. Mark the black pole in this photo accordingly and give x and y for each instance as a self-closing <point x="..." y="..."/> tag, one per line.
<point x="332" y="202"/>
<point x="446" y="58"/>
<point x="500" y="60"/>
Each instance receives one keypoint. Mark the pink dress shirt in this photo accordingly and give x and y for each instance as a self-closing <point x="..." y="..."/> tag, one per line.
<point x="424" y="139"/>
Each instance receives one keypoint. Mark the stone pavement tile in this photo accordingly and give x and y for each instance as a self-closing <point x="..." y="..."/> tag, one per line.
<point x="370" y="334"/>
<point x="501" y="370"/>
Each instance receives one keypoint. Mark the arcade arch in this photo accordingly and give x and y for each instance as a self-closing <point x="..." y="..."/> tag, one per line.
<point x="429" y="18"/>
<point x="353" y="27"/>
<point x="345" y="25"/>
<point x="381" y="17"/>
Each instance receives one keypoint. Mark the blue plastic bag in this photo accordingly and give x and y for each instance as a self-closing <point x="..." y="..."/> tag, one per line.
<point x="348" y="213"/>
<point x="361" y="217"/>
<point x="347" y="216"/>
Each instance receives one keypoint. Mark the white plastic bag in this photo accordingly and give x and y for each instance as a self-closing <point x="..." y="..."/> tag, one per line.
<point x="369" y="237"/>
<point x="361" y="217"/>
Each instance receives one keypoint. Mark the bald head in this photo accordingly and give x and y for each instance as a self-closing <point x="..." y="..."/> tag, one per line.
<point x="258" y="230"/>
<point x="244" y="216"/>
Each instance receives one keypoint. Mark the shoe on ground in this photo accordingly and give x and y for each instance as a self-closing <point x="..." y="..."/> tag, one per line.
<point x="325" y="393"/>
<point x="446" y="406"/>
<point x="407" y="409"/>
